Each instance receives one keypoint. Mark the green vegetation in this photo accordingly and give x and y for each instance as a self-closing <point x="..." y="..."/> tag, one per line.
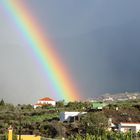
<point x="45" y="121"/>
<point x="94" y="123"/>
<point x="106" y="136"/>
<point x="98" y="105"/>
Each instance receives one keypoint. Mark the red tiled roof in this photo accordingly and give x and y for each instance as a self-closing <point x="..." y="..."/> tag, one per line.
<point x="46" y="99"/>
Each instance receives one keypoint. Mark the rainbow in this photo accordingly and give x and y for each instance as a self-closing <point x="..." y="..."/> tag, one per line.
<point x="62" y="86"/>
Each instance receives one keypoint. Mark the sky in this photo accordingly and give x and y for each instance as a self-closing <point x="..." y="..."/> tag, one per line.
<point x="98" y="42"/>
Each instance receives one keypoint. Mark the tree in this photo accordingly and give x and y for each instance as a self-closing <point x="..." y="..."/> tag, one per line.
<point x="94" y="122"/>
<point x="76" y="106"/>
<point x="2" y="102"/>
<point x="60" y="104"/>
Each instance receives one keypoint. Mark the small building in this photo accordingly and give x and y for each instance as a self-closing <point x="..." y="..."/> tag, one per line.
<point x="129" y="126"/>
<point x="45" y="101"/>
<point x="70" y="116"/>
<point x="98" y="105"/>
<point x="23" y="137"/>
<point x="29" y="137"/>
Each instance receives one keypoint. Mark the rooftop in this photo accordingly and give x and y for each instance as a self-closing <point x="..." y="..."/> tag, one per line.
<point x="46" y="99"/>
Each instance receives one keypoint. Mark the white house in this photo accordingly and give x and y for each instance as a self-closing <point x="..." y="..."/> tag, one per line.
<point x="70" y="116"/>
<point x="45" y="101"/>
<point x="127" y="126"/>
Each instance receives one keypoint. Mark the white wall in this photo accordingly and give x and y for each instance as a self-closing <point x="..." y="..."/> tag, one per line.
<point x="65" y="116"/>
<point x="124" y="127"/>
<point x="47" y="102"/>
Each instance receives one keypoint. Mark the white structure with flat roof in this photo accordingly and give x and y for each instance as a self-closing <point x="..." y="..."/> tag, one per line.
<point x="125" y="127"/>
<point x="66" y="116"/>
